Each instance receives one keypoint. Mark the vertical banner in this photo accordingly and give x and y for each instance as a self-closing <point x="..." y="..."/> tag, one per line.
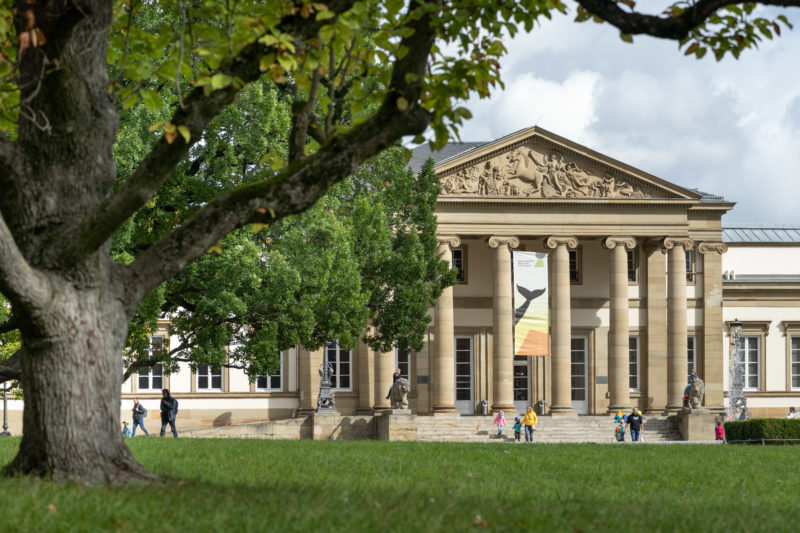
<point x="531" y="311"/>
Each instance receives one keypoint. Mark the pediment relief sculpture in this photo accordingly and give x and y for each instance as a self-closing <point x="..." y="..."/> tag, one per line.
<point x="523" y="172"/>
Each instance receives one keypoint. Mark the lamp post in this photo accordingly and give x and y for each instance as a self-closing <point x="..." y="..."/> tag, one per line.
<point x="5" y="432"/>
<point x="325" y="401"/>
<point x="736" y="398"/>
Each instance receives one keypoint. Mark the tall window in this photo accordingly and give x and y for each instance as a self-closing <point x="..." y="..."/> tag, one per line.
<point x="460" y="264"/>
<point x="340" y="361"/>
<point x="751" y="362"/>
<point x="690" y="356"/>
<point x="690" y="265"/>
<point x="633" y="363"/>
<point x="153" y="377"/>
<point x="402" y="360"/>
<point x="271" y="381"/>
<point x="209" y="378"/>
<point x="575" y="265"/>
<point x="633" y="265"/>
<point x="795" y="363"/>
<point x="521" y="378"/>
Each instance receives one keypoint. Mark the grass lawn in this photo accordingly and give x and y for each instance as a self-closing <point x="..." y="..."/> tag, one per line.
<point x="252" y="485"/>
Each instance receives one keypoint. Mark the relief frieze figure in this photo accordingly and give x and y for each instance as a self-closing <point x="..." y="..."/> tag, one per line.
<point x="524" y="172"/>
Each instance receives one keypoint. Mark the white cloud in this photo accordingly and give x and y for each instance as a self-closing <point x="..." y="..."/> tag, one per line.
<point x="729" y="128"/>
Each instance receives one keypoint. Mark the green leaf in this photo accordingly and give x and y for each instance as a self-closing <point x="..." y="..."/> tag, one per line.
<point x="219" y="81"/>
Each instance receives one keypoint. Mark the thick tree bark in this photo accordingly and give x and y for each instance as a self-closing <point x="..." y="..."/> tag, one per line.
<point x="72" y="379"/>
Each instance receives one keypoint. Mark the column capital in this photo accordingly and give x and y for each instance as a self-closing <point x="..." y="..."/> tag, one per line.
<point x="557" y="240"/>
<point x="454" y="241"/>
<point x="613" y="242"/>
<point x="495" y="241"/>
<point x="712" y="247"/>
<point x="670" y="242"/>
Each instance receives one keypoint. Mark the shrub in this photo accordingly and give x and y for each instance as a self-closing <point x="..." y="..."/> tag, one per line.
<point x="768" y="429"/>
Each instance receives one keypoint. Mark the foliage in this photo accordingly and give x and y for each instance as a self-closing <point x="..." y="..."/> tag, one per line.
<point x="400" y="486"/>
<point x="9" y="341"/>
<point x="768" y="429"/>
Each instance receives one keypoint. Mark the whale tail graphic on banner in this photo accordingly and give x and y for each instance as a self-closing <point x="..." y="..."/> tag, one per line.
<point x="531" y="311"/>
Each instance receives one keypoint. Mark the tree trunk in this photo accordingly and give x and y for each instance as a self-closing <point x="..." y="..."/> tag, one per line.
<point x="72" y="373"/>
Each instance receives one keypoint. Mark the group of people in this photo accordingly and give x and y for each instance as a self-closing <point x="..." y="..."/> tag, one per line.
<point x="527" y="422"/>
<point x="169" y="410"/>
<point x="632" y="422"/>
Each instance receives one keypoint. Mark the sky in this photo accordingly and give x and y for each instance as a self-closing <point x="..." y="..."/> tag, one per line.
<point x="729" y="128"/>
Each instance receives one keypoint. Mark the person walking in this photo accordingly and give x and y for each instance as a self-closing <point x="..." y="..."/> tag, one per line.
<point x="719" y="431"/>
<point x="139" y="412"/>
<point x="500" y="422"/>
<point x="529" y="421"/>
<point x="517" y="428"/>
<point x="635" y="423"/>
<point x="169" y="409"/>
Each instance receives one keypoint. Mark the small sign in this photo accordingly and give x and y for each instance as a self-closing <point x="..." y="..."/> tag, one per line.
<point x="422" y="380"/>
<point x="602" y="380"/>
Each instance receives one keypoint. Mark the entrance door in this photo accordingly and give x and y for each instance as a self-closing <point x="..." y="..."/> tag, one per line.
<point x="522" y="397"/>
<point x="464" y="402"/>
<point x="579" y="385"/>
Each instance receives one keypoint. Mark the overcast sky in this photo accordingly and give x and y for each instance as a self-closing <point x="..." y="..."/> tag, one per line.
<point x="729" y="128"/>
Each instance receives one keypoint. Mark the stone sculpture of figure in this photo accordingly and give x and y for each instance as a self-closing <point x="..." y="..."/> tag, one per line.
<point x="400" y="391"/>
<point x="524" y="167"/>
<point x="696" y="392"/>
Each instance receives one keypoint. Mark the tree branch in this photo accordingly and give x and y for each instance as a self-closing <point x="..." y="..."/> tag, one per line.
<point x="198" y="111"/>
<point x="24" y="286"/>
<point x="152" y="361"/>
<point x="302" y="111"/>
<point x="302" y="183"/>
<point x="673" y="27"/>
<point x="11" y="367"/>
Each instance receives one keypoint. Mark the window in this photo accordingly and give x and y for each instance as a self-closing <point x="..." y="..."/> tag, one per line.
<point x="520" y="378"/>
<point x="271" y="381"/>
<point x="402" y="360"/>
<point x="575" y="265"/>
<point x="460" y="264"/>
<point x="690" y="356"/>
<point x="795" y="371"/>
<point x="209" y="378"/>
<point x="153" y="377"/>
<point x="633" y="364"/>
<point x="690" y="266"/>
<point x="750" y="362"/>
<point x="633" y="266"/>
<point x="340" y="362"/>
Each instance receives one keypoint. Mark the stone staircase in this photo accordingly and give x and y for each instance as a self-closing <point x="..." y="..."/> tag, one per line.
<point x="597" y="429"/>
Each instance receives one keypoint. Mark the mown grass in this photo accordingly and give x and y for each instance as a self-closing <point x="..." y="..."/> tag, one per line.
<point x="249" y="485"/>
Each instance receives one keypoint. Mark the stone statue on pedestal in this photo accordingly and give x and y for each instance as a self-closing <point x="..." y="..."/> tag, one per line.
<point x="400" y="391"/>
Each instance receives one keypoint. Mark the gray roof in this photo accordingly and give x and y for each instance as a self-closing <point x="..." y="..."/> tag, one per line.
<point x="708" y="197"/>
<point x="421" y="153"/>
<point x="760" y="233"/>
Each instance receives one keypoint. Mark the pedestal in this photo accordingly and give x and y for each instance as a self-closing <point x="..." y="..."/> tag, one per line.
<point x="697" y="424"/>
<point x="396" y="425"/>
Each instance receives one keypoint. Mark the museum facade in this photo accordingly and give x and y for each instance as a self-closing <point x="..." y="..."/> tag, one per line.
<point x="644" y="280"/>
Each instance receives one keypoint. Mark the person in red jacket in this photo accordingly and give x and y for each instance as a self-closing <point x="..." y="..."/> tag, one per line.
<point x="720" y="431"/>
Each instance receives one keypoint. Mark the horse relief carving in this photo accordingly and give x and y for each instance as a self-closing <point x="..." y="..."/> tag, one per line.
<point x="523" y="172"/>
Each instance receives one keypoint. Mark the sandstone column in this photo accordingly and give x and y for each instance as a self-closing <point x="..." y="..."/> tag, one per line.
<point x="444" y="333"/>
<point x="308" y="378"/>
<point x="365" y="386"/>
<point x="503" y="322"/>
<point x="561" y="327"/>
<point x="711" y="371"/>
<point x="384" y="367"/>
<point x="656" y="352"/>
<point x="619" y="333"/>
<point x="677" y="358"/>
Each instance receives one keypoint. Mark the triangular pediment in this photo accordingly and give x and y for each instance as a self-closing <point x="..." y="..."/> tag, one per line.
<point x="535" y="163"/>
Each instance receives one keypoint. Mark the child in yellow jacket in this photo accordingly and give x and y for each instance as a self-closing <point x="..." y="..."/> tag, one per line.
<point x="529" y="421"/>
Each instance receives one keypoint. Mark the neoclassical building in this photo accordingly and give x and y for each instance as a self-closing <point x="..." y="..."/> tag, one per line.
<point x="644" y="280"/>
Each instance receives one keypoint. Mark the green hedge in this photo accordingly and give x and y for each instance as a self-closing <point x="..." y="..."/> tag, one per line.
<point x="768" y="429"/>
